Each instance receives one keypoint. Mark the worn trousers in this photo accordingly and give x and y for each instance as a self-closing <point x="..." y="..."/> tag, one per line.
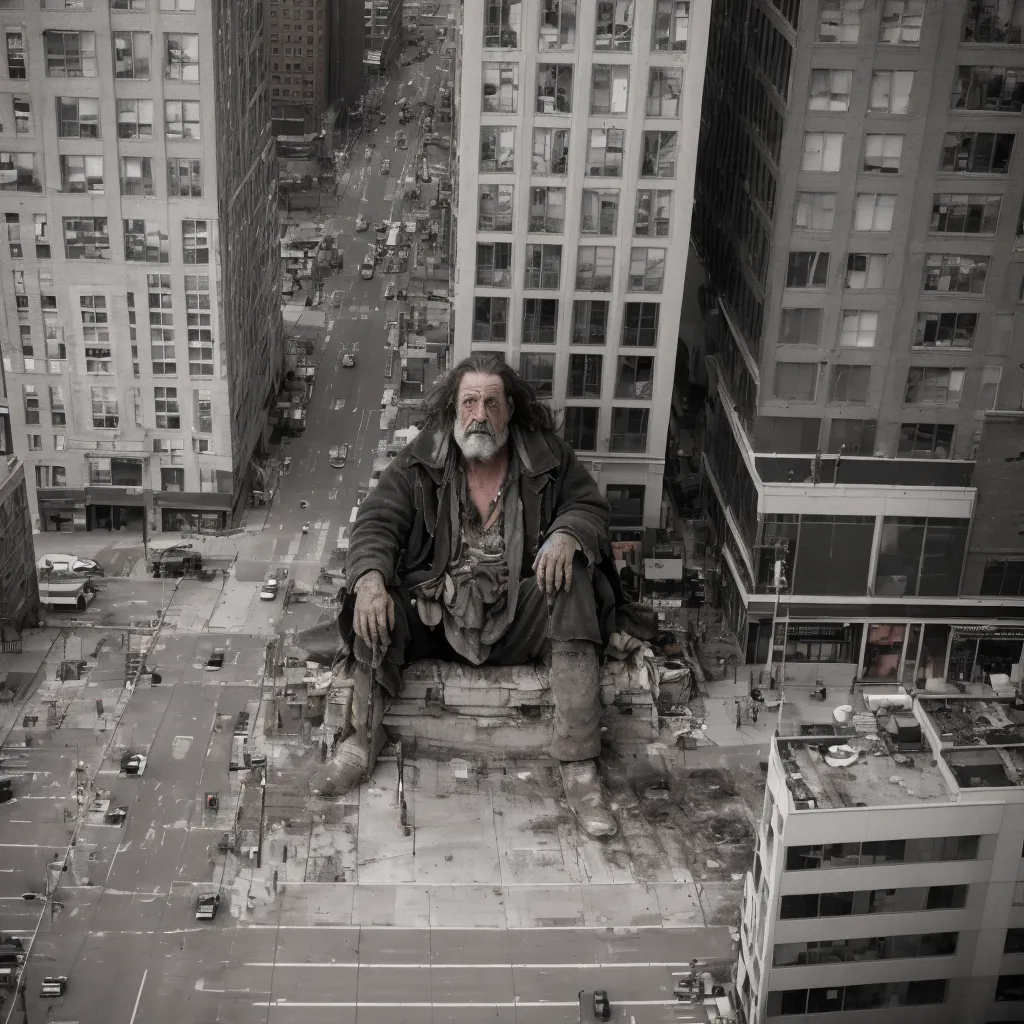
<point x="539" y="627"/>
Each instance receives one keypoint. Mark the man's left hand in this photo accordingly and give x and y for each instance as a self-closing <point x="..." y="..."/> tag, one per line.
<point x="553" y="564"/>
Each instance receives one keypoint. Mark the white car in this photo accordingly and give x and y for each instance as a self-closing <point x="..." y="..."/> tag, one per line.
<point x="70" y="564"/>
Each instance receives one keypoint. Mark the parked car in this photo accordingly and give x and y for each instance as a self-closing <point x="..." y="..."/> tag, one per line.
<point x="71" y="564"/>
<point x="362" y="224"/>
<point x="602" y="1010"/>
<point x="53" y="987"/>
<point x="116" y="815"/>
<point x="215" y="660"/>
<point x="133" y="764"/>
<point x="348" y="361"/>
<point x="272" y="583"/>
<point x="339" y="454"/>
<point x="366" y="271"/>
<point x="385" y="167"/>
<point x="207" y="905"/>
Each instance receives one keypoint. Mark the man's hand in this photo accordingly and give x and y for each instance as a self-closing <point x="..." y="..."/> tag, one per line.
<point x="374" y="614"/>
<point x="553" y="564"/>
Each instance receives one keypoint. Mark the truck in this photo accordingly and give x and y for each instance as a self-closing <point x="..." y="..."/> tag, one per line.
<point x="240" y="757"/>
<point x="56" y="591"/>
<point x="176" y="561"/>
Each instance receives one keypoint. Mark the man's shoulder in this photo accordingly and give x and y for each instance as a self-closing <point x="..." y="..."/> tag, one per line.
<point x="545" y="450"/>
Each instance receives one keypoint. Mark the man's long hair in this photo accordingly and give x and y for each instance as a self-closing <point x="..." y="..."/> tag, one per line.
<point x="528" y="413"/>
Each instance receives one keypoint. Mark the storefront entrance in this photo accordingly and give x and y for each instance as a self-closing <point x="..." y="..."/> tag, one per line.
<point x="184" y="520"/>
<point x="116" y="517"/>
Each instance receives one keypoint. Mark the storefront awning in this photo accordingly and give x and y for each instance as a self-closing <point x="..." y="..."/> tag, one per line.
<point x="191" y="500"/>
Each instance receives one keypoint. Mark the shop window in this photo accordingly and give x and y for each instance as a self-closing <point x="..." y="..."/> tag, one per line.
<point x="920" y="557"/>
<point x="833" y="554"/>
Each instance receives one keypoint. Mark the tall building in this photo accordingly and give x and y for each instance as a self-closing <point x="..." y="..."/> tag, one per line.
<point x="577" y="133"/>
<point x="859" y="198"/>
<point x="382" y="35"/>
<point x="19" y="590"/>
<point x="887" y="877"/>
<point x="346" y="54"/>
<point x="141" y="329"/>
<point x="298" y="34"/>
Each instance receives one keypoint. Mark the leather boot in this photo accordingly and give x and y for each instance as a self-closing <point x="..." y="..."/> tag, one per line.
<point x="586" y="799"/>
<point x="355" y="758"/>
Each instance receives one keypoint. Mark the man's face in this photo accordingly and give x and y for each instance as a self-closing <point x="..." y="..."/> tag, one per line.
<point x="481" y="421"/>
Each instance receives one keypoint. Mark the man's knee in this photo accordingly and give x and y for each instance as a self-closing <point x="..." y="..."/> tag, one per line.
<point x="574" y="614"/>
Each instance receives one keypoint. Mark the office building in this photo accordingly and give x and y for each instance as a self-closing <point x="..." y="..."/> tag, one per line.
<point x="19" y="591"/>
<point x="577" y="132"/>
<point x="382" y="35"/>
<point x="859" y="198"/>
<point x="298" y="37"/>
<point x="888" y="882"/>
<point x="141" y="328"/>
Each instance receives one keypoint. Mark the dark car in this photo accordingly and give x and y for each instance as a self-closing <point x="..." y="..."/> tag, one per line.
<point x="216" y="660"/>
<point x="339" y="456"/>
<point x="602" y="1010"/>
<point x="116" y="815"/>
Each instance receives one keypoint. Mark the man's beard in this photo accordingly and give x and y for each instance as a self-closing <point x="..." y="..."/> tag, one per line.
<point x="479" y="443"/>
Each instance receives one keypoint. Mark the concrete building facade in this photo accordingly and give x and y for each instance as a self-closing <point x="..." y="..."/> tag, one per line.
<point x="298" y="40"/>
<point x="382" y="35"/>
<point x="888" y="881"/>
<point x="859" y="198"/>
<point x="140" y="331"/>
<point x="577" y="133"/>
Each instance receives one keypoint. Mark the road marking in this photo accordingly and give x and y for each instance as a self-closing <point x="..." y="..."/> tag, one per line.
<point x="331" y="496"/>
<point x="465" y="967"/>
<point x="615" y="930"/>
<point x="517" y="1003"/>
<point x="139" y="996"/>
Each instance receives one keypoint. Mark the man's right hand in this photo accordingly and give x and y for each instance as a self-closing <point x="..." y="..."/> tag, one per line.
<point x="374" y="614"/>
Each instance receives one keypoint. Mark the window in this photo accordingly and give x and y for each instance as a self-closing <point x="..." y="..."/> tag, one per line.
<point x="988" y="21"/>
<point x="830" y="90"/>
<point x="882" y="153"/>
<point x="823" y="151"/>
<point x="600" y="212"/>
<point x="554" y="89"/>
<point x="494" y="264"/>
<point x="202" y="405"/>
<point x="849" y="383"/>
<point x="594" y="267"/>
<point x="551" y="150"/>
<point x="997" y="90"/>
<point x="500" y="87"/>
<point x="796" y="382"/>
<point x="872" y="901"/>
<point x="604" y="152"/>
<point x="195" y="242"/>
<point x="614" y="28"/>
<point x="134" y="119"/>
<point x="646" y="270"/>
<point x="890" y="947"/>
<point x="814" y="211"/>
<point x="629" y="430"/>
<point x="580" y="429"/>
<point x="664" y="90"/>
<point x="13" y="221"/>
<point x="873" y="212"/>
<point x="22" y="115"/>
<point x="888" y="851"/>
<point x="585" y="372"/>
<point x="901" y="22"/>
<point x="163" y="357"/>
<point x="95" y="327"/>
<point x="137" y="176"/>
<point x="934" y="385"/>
<point x="589" y="322"/>
<point x="807" y="270"/>
<point x="540" y="321"/>
<point x="502" y="24"/>
<point x="839" y="21"/>
<point x="490" y="319"/>
<point x="181" y="119"/>
<point x="200" y="332"/>
<point x="497" y="149"/>
<point x="58" y="414"/>
<point x="172" y="478"/>
<point x="858" y="328"/>
<point x="634" y="377"/>
<point x="538" y="370"/>
<point x="543" y="265"/>
<point x="184" y="178"/>
<point x="671" y="25"/>
<point x="1004" y="577"/>
<point x="129" y="5"/>
<point x="494" y="208"/>
<point x="977" y="152"/>
<point x="925" y="441"/>
<point x="181" y="55"/>
<point x="965" y="214"/>
<point x="547" y="209"/>
<point x="31" y="398"/>
<point x="17" y="59"/>
<point x="144" y="242"/>
<point x="950" y="273"/>
<point x="170" y="448"/>
<point x="558" y="24"/>
<point x="34" y="442"/>
<point x="658" y="158"/>
<point x="104" y="408"/>
<point x="626" y="504"/>
<point x="653" y="214"/>
<point x="890" y="91"/>
<point x="852" y="437"/>
<point x="800" y="327"/>
<point x="69" y="54"/>
<point x="81" y="173"/>
<point x="51" y="476"/>
<point x="609" y="89"/>
<point x="988" y="391"/>
<point x="165" y="404"/>
<point x="131" y="54"/>
<point x="18" y="173"/>
<point x="640" y="324"/>
<point x="865" y="270"/>
<point x="78" y="118"/>
<point x="86" y="238"/>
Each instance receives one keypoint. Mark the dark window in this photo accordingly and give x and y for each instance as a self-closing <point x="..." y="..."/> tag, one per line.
<point x="1003" y="577"/>
<point x="1014" y="941"/>
<point x="540" y="321"/>
<point x="1010" y="988"/>
<point x="626" y="502"/>
<point x="538" y="370"/>
<point x="920" y="557"/>
<point x="490" y="318"/>
<point x="807" y="270"/>
<point x="800" y="327"/>
<point x="581" y="427"/>
<point x="787" y="434"/>
<point x="945" y="330"/>
<point x="590" y="322"/>
<point x="502" y="21"/>
<point x="987" y="88"/>
<point x="926" y="440"/>
<point x="990" y="21"/>
<point x="494" y="264"/>
<point x="629" y="430"/>
<point x="977" y="152"/>
<point x="851" y="437"/>
<point x="849" y="383"/>
<point x="640" y="324"/>
<point x="585" y="372"/>
<point x="946" y="897"/>
<point x="634" y="377"/>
